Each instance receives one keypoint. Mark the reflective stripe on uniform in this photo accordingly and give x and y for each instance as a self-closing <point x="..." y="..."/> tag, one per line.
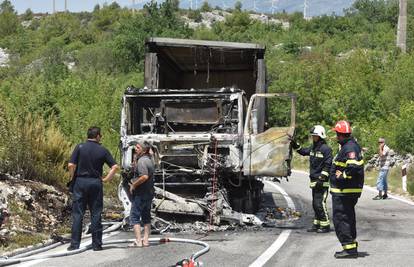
<point x="318" y="155"/>
<point x="356" y="162"/>
<point x="350" y="246"/>
<point x="313" y="184"/>
<point x="346" y="190"/>
<point x="325" y="209"/>
<point x="346" y="176"/>
<point x="325" y="173"/>
<point x="340" y="164"/>
<point x="349" y="161"/>
<point x="316" y="222"/>
<point x="324" y="223"/>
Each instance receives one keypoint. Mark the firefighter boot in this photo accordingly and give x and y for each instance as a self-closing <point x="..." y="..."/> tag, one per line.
<point x="347" y="254"/>
<point x="314" y="228"/>
<point x="323" y="230"/>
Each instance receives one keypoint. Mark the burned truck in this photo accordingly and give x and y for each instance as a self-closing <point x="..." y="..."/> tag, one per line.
<point x="204" y="109"/>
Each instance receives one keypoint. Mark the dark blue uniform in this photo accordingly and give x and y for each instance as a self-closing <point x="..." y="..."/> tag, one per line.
<point x="320" y="161"/>
<point x="89" y="158"/>
<point x="345" y="190"/>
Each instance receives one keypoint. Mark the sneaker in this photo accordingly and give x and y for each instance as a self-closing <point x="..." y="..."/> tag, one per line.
<point x="346" y="254"/>
<point x="385" y="196"/>
<point x="312" y="229"/>
<point x="378" y="197"/>
<point x="323" y="230"/>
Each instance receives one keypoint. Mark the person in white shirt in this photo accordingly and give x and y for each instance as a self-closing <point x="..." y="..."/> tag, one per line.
<point x="384" y="163"/>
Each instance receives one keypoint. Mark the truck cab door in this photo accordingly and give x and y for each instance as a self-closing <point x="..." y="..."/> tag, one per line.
<point x="267" y="153"/>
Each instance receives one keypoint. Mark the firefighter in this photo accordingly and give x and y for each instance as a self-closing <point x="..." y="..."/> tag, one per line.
<point x="346" y="180"/>
<point x="320" y="161"/>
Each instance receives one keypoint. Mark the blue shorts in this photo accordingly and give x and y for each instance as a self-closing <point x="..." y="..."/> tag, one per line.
<point x="140" y="211"/>
<point x="382" y="184"/>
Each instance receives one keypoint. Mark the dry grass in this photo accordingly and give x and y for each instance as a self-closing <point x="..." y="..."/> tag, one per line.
<point x="36" y="150"/>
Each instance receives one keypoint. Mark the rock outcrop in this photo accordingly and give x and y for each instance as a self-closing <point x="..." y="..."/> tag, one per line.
<point x="33" y="207"/>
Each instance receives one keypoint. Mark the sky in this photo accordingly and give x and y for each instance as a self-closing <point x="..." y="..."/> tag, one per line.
<point x="315" y="7"/>
<point x="73" y="5"/>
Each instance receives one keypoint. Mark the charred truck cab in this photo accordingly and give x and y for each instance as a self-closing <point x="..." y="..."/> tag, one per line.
<point x="203" y="109"/>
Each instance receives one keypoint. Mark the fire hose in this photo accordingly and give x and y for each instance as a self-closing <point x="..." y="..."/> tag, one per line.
<point x="29" y="256"/>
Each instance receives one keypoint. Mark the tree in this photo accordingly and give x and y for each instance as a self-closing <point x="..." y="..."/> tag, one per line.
<point x="156" y="20"/>
<point x="9" y="22"/>
<point x="96" y="8"/>
<point x="114" y="5"/>
<point x="175" y="4"/>
<point x="7" y="7"/>
<point x="28" y="14"/>
<point x="205" y="7"/>
<point x="238" y="6"/>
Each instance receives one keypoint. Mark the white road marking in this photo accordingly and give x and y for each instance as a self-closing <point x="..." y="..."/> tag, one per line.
<point x="271" y="251"/>
<point x="84" y="244"/>
<point x="289" y="201"/>
<point x="406" y="201"/>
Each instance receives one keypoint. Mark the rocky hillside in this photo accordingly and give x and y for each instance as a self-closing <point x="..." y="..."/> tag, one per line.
<point x="37" y="211"/>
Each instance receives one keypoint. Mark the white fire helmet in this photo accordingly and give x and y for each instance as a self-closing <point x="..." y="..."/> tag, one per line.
<point x="318" y="130"/>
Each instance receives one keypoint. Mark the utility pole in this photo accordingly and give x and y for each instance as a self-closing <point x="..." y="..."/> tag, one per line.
<point x="402" y="27"/>
<point x="305" y="9"/>
<point x="274" y="6"/>
<point x="254" y="6"/>
<point x="54" y="7"/>
<point x="66" y="5"/>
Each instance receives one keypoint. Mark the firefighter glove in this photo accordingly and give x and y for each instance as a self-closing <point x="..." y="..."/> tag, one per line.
<point x="319" y="184"/>
<point x="294" y="144"/>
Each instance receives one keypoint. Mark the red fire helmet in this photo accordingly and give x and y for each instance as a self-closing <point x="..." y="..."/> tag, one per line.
<point x="342" y="127"/>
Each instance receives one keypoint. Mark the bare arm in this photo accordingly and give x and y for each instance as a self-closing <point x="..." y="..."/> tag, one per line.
<point x="71" y="168"/>
<point x="111" y="173"/>
<point x="138" y="182"/>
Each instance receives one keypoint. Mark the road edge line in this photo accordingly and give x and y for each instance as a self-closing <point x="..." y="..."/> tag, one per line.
<point x="406" y="201"/>
<point x="372" y="189"/>
<point x="282" y="238"/>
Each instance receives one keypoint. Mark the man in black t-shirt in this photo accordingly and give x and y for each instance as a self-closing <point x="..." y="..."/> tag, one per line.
<point x="85" y="165"/>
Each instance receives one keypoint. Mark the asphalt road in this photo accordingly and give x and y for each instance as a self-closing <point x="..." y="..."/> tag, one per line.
<point x="385" y="236"/>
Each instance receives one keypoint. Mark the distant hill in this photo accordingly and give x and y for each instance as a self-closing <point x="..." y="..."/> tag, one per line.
<point x="315" y="7"/>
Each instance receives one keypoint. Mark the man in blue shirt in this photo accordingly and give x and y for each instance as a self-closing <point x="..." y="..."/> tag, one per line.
<point x="85" y="165"/>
